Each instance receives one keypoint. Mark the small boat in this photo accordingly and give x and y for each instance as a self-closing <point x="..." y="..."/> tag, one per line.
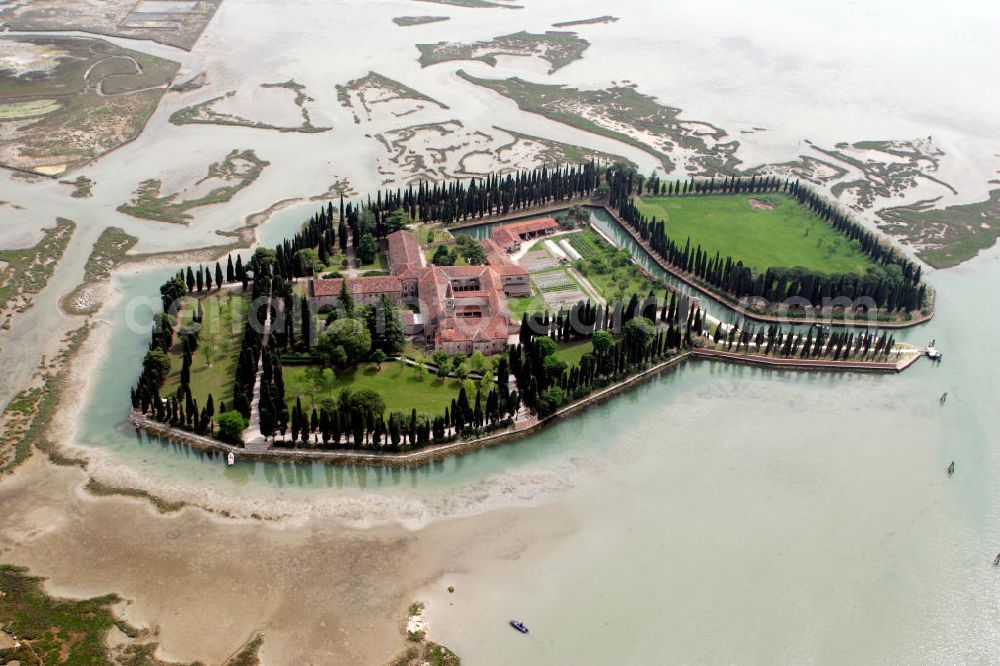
<point x="933" y="353"/>
<point x="944" y="396"/>
<point x="996" y="560"/>
<point x="520" y="626"/>
<point x="951" y="468"/>
<point x="231" y="459"/>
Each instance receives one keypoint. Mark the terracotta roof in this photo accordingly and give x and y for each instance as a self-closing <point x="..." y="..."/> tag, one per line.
<point x="510" y="233"/>
<point x="463" y="271"/>
<point x="411" y="273"/>
<point x="510" y="269"/>
<point x="404" y="251"/>
<point x="530" y="226"/>
<point x="495" y="254"/>
<point x="460" y="329"/>
<point x="363" y="285"/>
<point x="430" y="297"/>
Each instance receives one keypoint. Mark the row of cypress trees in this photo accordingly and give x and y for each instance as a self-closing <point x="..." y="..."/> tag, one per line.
<point x="541" y="384"/>
<point x="896" y="286"/>
<point x="817" y="342"/>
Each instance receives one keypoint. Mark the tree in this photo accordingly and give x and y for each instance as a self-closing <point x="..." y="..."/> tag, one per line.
<point x="551" y="399"/>
<point x="443" y="363"/>
<point x="638" y="332"/>
<point x="602" y="342"/>
<point x="156" y="364"/>
<point x="319" y="380"/>
<point x="366" y="401"/>
<point x="442" y="256"/>
<point x="384" y="325"/>
<point x="477" y="362"/>
<point x="366" y="223"/>
<point x="553" y="367"/>
<point x="307" y="261"/>
<point x="471" y="250"/>
<point x="170" y="291"/>
<point x="577" y="215"/>
<point x="231" y="426"/>
<point x="345" y="342"/>
<point x="546" y="346"/>
<point x="346" y="300"/>
<point x="367" y="249"/>
<point x="264" y="257"/>
<point x="396" y="220"/>
<point x="378" y="357"/>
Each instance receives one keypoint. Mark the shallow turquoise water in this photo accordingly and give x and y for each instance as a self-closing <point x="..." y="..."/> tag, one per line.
<point x="102" y="425"/>
<point x="804" y="517"/>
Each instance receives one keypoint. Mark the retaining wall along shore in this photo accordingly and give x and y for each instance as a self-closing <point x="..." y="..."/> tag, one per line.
<point x="519" y="430"/>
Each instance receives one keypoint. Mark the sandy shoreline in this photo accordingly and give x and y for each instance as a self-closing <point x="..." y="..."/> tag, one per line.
<point x="351" y="566"/>
<point x="348" y="561"/>
<point x="316" y="590"/>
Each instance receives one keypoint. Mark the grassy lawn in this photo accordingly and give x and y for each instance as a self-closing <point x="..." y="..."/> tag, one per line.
<point x="422" y="231"/>
<point x="787" y="235"/>
<point x="571" y="353"/>
<point x="380" y="264"/>
<point x="622" y="283"/>
<point x="401" y="388"/>
<point x="214" y="363"/>
<point x="521" y="304"/>
<point x="459" y="259"/>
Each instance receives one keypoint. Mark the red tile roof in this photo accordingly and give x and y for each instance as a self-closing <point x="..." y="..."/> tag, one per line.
<point x="510" y="269"/>
<point x="510" y="233"/>
<point x="462" y="329"/>
<point x="434" y="287"/>
<point x="404" y="251"/>
<point x="495" y="255"/>
<point x="531" y="226"/>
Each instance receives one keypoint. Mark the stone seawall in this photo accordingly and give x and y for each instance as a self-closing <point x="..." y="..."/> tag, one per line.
<point x="520" y="429"/>
<point x="805" y="365"/>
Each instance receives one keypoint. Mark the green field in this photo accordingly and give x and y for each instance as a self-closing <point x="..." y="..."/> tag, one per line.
<point x="401" y="388"/>
<point x="788" y="235"/>
<point x="520" y="304"/>
<point x="213" y="365"/>
<point x="452" y="247"/>
<point x="570" y="353"/>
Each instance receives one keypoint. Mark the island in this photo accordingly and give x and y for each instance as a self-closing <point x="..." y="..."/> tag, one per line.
<point x="428" y="321"/>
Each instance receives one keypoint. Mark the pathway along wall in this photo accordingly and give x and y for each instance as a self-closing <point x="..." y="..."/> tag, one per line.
<point x="518" y="431"/>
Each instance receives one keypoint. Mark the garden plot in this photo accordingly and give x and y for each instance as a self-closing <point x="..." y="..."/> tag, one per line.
<point x="553" y="281"/>
<point x="538" y="260"/>
<point x="558" y="288"/>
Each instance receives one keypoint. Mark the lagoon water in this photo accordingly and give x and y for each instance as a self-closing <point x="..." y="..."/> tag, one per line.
<point x="716" y="514"/>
